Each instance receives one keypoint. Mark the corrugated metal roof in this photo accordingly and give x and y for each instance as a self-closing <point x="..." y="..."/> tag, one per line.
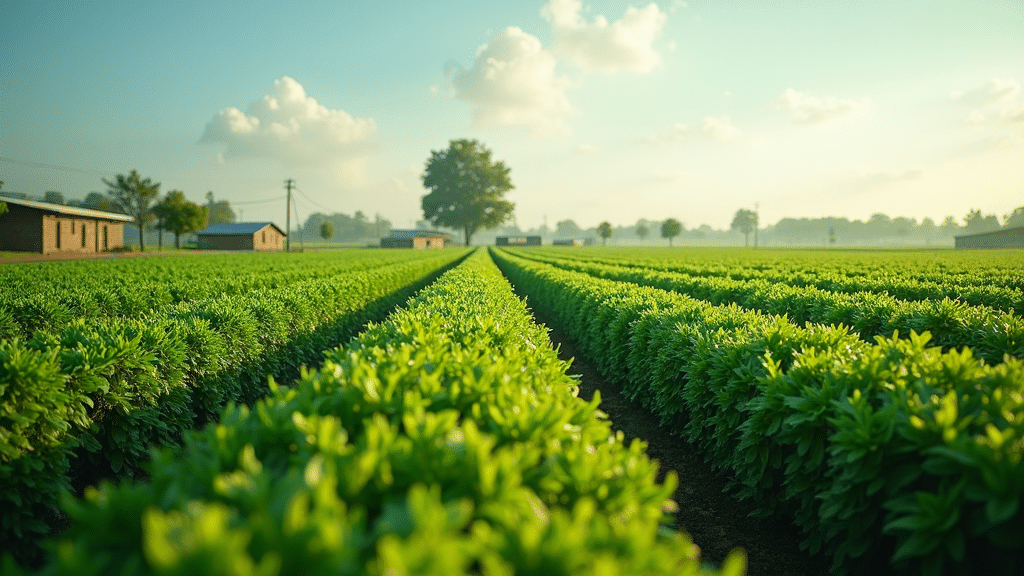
<point x="229" y="228"/>
<point x="69" y="210"/>
<point x="418" y="234"/>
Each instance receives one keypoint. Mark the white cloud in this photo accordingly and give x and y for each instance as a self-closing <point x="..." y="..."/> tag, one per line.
<point x="804" y="109"/>
<point x="975" y="118"/>
<point x="720" y="129"/>
<point x="993" y="91"/>
<point x="626" y="44"/>
<point x="513" y="83"/>
<point x="290" y="126"/>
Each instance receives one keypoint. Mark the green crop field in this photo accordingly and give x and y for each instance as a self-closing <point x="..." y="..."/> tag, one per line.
<point x="875" y="399"/>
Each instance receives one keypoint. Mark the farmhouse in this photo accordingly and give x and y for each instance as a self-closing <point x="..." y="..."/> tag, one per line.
<point x="517" y="241"/>
<point x="242" y="236"/>
<point x="1005" y="238"/>
<point x="415" y="239"/>
<point x="30" y="226"/>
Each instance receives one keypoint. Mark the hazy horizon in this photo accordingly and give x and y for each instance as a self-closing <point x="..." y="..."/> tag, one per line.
<point x="603" y="110"/>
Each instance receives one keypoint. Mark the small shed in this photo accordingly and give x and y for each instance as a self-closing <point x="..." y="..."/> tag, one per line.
<point x="415" y="239"/>
<point x="241" y="236"/>
<point x="517" y="241"/>
<point x="1005" y="238"/>
<point x="30" y="226"/>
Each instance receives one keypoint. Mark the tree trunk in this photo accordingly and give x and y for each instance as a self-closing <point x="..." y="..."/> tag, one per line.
<point x="176" y="236"/>
<point x="746" y="240"/>
<point x="142" y="243"/>
<point x="468" y="235"/>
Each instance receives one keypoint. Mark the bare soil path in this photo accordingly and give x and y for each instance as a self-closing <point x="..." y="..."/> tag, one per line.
<point x="715" y="520"/>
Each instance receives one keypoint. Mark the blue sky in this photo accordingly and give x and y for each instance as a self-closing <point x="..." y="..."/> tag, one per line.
<point x="604" y="110"/>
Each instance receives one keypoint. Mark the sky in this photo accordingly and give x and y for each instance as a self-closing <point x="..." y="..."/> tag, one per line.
<point x="603" y="110"/>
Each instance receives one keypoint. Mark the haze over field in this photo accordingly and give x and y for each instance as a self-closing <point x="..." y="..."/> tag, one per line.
<point x="603" y="110"/>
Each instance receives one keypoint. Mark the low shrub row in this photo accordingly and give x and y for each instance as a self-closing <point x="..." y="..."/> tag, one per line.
<point x="446" y="440"/>
<point x="99" y="392"/>
<point x="990" y="334"/>
<point x="51" y="295"/>
<point x="892" y="457"/>
<point x="992" y="280"/>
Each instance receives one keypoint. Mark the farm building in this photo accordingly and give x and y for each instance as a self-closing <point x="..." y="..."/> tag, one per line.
<point x="415" y="239"/>
<point x="242" y="236"/>
<point x="30" y="226"/>
<point x="1005" y="238"/>
<point x="517" y="241"/>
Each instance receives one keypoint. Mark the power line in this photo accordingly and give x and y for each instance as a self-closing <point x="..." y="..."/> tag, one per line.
<point x="54" y="166"/>
<point x="267" y="201"/>
<point x="315" y="204"/>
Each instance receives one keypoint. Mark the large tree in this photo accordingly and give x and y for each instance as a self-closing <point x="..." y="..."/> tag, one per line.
<point x="746" y="222"/>
<point x="670" y="229"/>
<point x="180" y="216"/>
<point x="467" y="188"/>
<point x="134" y="196"/>
<point x="97" y="201"/>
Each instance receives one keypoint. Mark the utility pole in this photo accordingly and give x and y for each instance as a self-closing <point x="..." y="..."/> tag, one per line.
<point x="288" y="216"/>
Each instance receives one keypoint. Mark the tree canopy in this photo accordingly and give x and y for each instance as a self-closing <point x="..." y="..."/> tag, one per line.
<point x="604" y="230"/>
<point x="180" y="216"/>
<point x="326" y="230"/>
<point x="746" y="222"/>
<point x="133" y="196"/>
<point x="671" y="228"/>
<point x="467" y="188"/>
<point x="642" y="231"/>
<point x="218" y="211"/>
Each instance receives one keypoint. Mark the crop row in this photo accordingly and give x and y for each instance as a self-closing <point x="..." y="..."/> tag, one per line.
<point x="49" y="295"/>
<point x="999" y="268"/>
<point x="891" y="456"/>
<point x="987" y="289"/>
<point x="103" y="390"/>
<point x="446" y="440"/>
<point x="989" y="333"/>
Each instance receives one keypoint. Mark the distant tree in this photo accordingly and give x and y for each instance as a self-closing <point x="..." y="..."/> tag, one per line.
<point x="832" y="235"/>
<point x="949" y="226"/>
<point x="746" y="222"/>
<point x="975" y="222"/>
<point x="642" y="231"/>
<point x="133" y="196"/>
<point x="604" y="230"/>
<point x="327" y="229"/>
<point x="97" y="201"/>
<point x="1015" y="218"/>
<point x="3" y="205"/>
<point x="670" y="229"/>
<point x="219" y="211"/>
<point x="927" y="228"/>
<point x="568" y="229"/>
<point x="467" y="188"/>
<point x="53" y="197"/>
<point x="180" y="216"/>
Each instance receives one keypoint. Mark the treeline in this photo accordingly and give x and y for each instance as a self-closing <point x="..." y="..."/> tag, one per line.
<point x="343" y="228"/>
<point x="878" y="230"/>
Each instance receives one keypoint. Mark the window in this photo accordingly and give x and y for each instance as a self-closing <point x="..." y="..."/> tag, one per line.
<point x="264" y="236"/>
<point x="104" y="236"/>
<point x="58" y="234"/>
<point x="83" y="235"/>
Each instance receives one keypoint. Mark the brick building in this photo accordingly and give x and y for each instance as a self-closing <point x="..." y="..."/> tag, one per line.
<point x="30" y="226"/>
<point x="242" y="236"/>
<point x="415" y="239"/>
